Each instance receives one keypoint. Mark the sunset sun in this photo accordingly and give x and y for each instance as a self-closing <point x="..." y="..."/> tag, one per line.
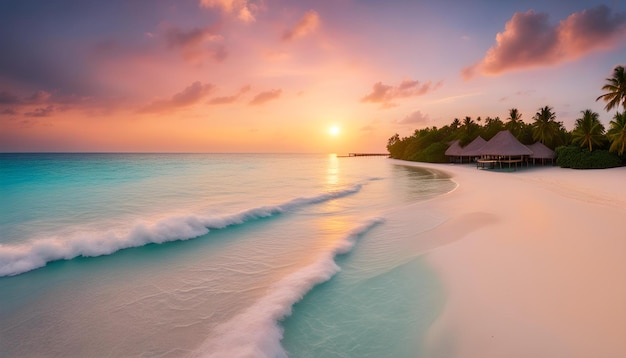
<point x="334" y="131"/>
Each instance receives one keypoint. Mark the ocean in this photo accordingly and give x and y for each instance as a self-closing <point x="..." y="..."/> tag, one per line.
<point x="215" y="255"/>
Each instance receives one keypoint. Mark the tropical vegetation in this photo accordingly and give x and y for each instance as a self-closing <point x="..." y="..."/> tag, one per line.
<point x="617" y="133"/>
<point x="546" y="129"/>
<point x="589" y="131"/>
<point x="588" y="145"/>
<point x="581" y="158"/>
<point x="615" y="90"/>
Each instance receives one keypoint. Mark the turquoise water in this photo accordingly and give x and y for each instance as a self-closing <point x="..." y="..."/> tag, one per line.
<point x="225" y="255"/>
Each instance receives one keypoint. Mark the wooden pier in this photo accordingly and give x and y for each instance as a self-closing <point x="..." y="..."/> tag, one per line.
<point x="364" y="155"/>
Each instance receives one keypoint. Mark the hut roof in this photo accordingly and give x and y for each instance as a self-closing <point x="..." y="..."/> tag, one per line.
<point x="454" y="150"/>
<point x="540" y="151"/>
<point x="504" y="143"/>
<point x="473" y="148"/>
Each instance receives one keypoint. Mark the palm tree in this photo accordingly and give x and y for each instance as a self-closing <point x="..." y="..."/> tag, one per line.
<point x="617" y="133"/>
<point x="589" y="130"/>
<point x="492" y="127"/>
<point x="455" y="123"/>
<point x="470" y="126"/>
<point x="616" y="90"/>
<point x="545" y="128"/>
<point x="468" y="122"/>
<point x="514" y="121"/>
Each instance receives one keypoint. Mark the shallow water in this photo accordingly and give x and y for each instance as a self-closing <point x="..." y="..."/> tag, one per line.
<point x="240" y="239"/>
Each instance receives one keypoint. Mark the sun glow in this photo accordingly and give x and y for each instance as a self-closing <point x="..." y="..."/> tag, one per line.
<point x="334" y="130"/>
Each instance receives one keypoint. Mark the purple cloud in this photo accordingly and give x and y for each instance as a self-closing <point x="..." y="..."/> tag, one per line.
<point x="196" y="45"/>
<point x="41" y="112"/>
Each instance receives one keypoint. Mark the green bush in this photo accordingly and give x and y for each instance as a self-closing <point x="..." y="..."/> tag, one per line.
<point x="434" y="153"/>
<point x="578" y="158"/>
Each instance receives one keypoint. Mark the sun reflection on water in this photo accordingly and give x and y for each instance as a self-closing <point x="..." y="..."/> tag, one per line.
<point x="332" y="171"/>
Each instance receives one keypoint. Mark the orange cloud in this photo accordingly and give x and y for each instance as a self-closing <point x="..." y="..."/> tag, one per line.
<point x="385" y="94"/>
<point x="244" y="10"/>
<point x="265" y="96"/>
<point x="190" y="95"/>
<point x="529" y="40"/>
<point x="307" y="25"/>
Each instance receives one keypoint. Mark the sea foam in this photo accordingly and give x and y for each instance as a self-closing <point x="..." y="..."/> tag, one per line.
<point x="17" y="259"/>
<point x="256" y="332"/>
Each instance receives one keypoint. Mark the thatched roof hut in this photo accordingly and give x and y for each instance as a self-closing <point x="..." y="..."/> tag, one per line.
<point x="456" y="152"/>
<point x="540" y="151"/>
<point x="455" y="149"/>
<point x="473" y="149"/>
<point x="504" y="144"/>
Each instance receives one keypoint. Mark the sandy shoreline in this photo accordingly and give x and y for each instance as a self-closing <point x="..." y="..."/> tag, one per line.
<point x="533" y="262"/>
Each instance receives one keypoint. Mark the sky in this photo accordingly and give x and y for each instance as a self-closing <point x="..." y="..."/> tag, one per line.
<point x="290" y="76"/>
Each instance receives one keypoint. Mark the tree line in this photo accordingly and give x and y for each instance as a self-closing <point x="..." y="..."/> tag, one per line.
<point x="588" y="145"/>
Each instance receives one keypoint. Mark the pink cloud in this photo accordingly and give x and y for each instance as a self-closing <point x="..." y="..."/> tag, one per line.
<point x="229" y="99"/>
<point x="529" y="40"/>
<point x="223" y="100"/>
<point x="244" y="10"/>
<point x="416" y="117"/>
<point x="190" y="95"/>
<point x="265" y="97"/>
<point x="593" y="29"/>
<point x="307" y="25"/>
<point x="385" y="94"/>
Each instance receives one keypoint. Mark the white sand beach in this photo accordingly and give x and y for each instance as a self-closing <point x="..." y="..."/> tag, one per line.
<point x="533" y="263"/>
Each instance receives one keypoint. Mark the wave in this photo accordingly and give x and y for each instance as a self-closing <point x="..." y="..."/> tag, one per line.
<point x="17" y="259"/>
<point x="257" y="331"/>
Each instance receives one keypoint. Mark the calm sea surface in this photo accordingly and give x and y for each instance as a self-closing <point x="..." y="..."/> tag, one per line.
<point x="213" y="255"/>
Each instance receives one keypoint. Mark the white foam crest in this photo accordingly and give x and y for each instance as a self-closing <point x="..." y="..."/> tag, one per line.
<point x="17" y="259"/>
<point x="256" y="332"/>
